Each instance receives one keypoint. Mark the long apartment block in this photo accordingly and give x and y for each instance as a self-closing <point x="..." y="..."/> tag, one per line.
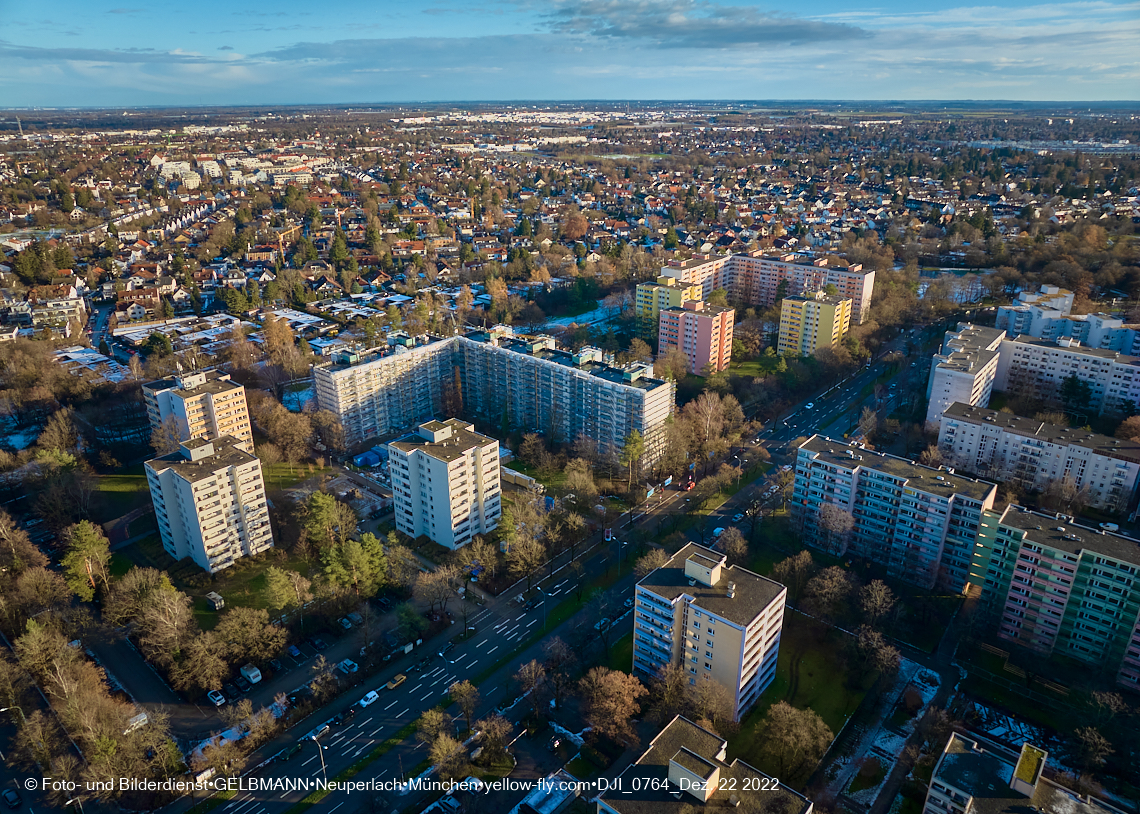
<point x="917" y="522"/>
<point x="524" y="380"/>
<point x="1057" y="587"/>
<point x="445" y="482"/>
<point x="721" y="622"/>
<point x="209" y="498"/>
<point x="976" y="361"/>
<point x="764" y="280"/>
<point x="203" y="404"/>
<point x="1003" y="446"/>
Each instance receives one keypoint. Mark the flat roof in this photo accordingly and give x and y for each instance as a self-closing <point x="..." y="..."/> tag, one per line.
<point x="753" y="594"/>
<point x="1053" y="433"/>
<point x="462" y="441"/>
<point x="226" y="454"/>
<point x="1042" y="528"/>
<point x="939" y="482"/>
<point x="213" y="385"/>
<point x="1076" y="347"/>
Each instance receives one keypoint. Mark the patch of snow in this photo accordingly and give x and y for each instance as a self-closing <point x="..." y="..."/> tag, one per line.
<point x="295" y="400"/>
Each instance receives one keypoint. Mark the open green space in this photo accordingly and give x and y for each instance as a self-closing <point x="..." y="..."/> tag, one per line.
<point x="621" y="654"/>
<point x="810" y="673"/>
<point x="122" y="492"/>
<point x="283" y="476"/>
<point x="868" y="781"/>
<point x="553" y="480"/>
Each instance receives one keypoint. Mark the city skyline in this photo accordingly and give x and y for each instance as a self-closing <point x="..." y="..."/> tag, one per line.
<point x="569" y="49"/>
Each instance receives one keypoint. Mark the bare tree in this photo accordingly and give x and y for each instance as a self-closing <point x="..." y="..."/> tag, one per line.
<point x="795" y="571"/>
<point x="650" y="561"/>
<point x="611" y="698"/>
<point x="876" y="601"/>
<point x="837" y="523"/>
<point x="531" y="679"/>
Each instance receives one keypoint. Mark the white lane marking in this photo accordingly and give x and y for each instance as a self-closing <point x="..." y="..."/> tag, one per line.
<point x="334" y="740"/>
<point x="493" y="649"/>
<point x="334" y="808"/>
<point x="310" y="760"/>
<point x="400" y="714"/>
<point x="426" y="697"/>
<point x="532" y="622"/>
<point x="481" y="643"/>
<point x="372" y="734"/>
<point x="391" y="705"/>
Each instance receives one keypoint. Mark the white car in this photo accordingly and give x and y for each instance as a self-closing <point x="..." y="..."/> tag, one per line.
<point x="371" y="698"/>
<point x="810" y="405"/>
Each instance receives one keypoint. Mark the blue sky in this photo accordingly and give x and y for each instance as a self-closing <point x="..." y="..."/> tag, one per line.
<point x="127" y="52"/>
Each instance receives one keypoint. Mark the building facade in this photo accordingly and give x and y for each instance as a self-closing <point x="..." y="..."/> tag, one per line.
<point x="685" y="769"/>
<point x="812" y="321"/>
<point x="1003" y="446"/>
<point x="700" y="331"/>
<point x="763" y="280"/>
<point x="203" y="404"/>
<point x="1037" y="368"/>
<point x="524" y="381"/>
<point x="965" y="369"/>
<point x="976" y="775"/>
<point x="721" y="622"/>
<point x="653" y="298"/>
<point x="445" y="482"/>
<point x="1057" y="587"/>
<point x="1035" y="312"/>
<point x="209" y="498"/>
<point x="917" y="522"/>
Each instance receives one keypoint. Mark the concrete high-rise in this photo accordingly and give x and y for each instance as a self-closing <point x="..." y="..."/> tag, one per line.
<point x="700" y="331"/>
<point x="721" y="622"/>
<point x="209" y="498"/>
<point x="812" y="321"/>
<point x="203" y="404"/>
<point x="653" y="298"/>
<point x="445" y="482"/>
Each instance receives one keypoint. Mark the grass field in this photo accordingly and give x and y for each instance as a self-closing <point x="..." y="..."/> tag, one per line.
<point x="621" y="654"/>
<point x="811" y="674"/>
<point x="122" y="492"/>
<point x="281" y="476"/>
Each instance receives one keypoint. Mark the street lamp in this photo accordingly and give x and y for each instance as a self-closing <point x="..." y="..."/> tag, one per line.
<point x="19" y="710"/>
<point x="321" y="751"/>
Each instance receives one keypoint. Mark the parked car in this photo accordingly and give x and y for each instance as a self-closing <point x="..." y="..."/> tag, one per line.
<point x="397" y="681"/>
<point x="370" y="698"/>
<point x="355" y="618"/>
<point x="385" y="603"/>
<point x="12" y="799"/>
<point x="348" y="667"/>
<point x="216" y="698"/>
<point x="274" y="666"/>
<point x="294" y="651"/>
<point x="555" y="742"/>
<point x="344" y="623"/>
<point x="628" y="603"/>
<point x="231" y="692"/>
<point x="319" y="644"/>
<point x="601" y="625"/>
<point x="736" y="518"/>
<point x="242" y="685"/>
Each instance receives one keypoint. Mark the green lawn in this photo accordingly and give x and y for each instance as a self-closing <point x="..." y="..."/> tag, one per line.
<point x="810" y="673"/>
<point x="555" y="481"/>
<point x="621" y="654"/>
<point x="122" y="492"/>
<point x="281" y="476"/>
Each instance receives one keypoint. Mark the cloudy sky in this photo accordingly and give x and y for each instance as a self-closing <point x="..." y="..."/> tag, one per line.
<point x="86" y="52"/>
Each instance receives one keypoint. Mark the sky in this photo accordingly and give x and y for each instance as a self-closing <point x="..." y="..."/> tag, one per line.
<point x="220" y="52"/>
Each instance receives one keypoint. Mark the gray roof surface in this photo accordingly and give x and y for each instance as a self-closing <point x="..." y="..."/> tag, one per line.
<point x="1042" y="528"/>
<point x="226" y="454"/>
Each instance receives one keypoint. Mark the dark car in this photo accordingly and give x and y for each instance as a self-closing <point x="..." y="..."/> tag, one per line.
<point x="289" y="752"/>
<point x="231" y="692"/>
<point x="344" y="717"/>
<point x="294" y="651"/>
<point x="385" y="603"/>
<point x="422" y="665"/>
<point x="11" y="798"/>
<point x="318" y="644"/>
<point x="274" y="665"/>
<point x="532" y="603"/>
<point x="242" y="684"/>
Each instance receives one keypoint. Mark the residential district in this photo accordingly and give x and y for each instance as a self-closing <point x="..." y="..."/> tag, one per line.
<point x="537" y="459"/>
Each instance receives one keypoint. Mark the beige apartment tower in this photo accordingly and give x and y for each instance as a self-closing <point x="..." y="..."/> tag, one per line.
<point x="445" y="482"/>
<point x="721" y="622"/>
<point x="812" y="321"/>
<point x="209" y="498"/>
<point x="204" y="404"/>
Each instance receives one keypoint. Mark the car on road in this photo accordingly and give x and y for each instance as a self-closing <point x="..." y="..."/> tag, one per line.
<point x="371" y="698"/>
<point x="601" y="625"/>
<point x="447" y="648"/>
<point x="532" y="603"/>
<point x="290" y="752"/>
<point x="397" y="681"/>
<point x="216" y="698"/>
<point x="421" y="665"/>
<point x="12" y="799"/>
<point x="736" y="518"/>
<point x="294" y="651"/>
<point x="242" y="684"/>
<point x="318" y="733"/>
<point x="810" y="405"/>
<point x="319" y="644"/>
<point x="628" y="602"/>
<point x="343" y="717"/>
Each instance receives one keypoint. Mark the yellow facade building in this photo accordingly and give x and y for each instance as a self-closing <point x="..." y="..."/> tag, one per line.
<point x="812" y="321"/>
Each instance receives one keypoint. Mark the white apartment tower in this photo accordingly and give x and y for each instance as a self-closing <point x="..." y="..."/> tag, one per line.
<point x="203" y="404"/>
<point x="721" y="622"/>
<point x="965" y="370"/>
<point x="210" y="501"/>
<point x="445" y="482"/>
